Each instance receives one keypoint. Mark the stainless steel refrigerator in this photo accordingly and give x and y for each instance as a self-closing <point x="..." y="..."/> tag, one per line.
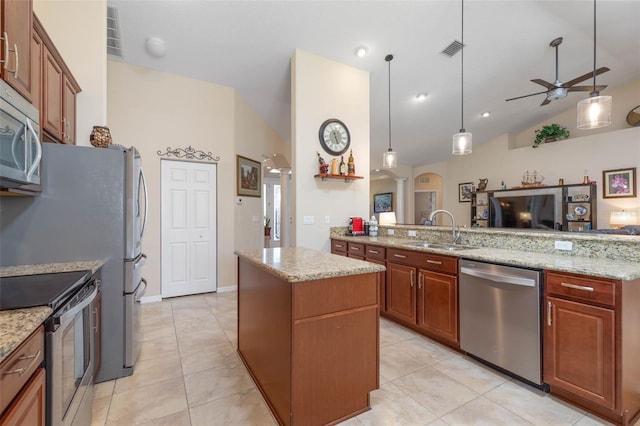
<point x="92" y="206"/>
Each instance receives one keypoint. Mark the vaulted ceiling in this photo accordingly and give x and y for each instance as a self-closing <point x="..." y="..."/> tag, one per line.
<point x="248" y="45"/>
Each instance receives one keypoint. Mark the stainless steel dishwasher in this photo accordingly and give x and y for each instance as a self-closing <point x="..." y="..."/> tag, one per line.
<point x="500" y="317"/>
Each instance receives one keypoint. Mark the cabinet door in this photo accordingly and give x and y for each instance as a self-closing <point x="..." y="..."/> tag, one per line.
<point x="17" y="23"/>
<point x="438" y="304"/>
<point x="401" y="292"/>
<point x="28" y="409"/>
<point x="36" y="71"/>
<point x="579" y="350"/>
<point x="69" y="113"/>
<point x="52" y="96"/>
<point x="382" y="279"/>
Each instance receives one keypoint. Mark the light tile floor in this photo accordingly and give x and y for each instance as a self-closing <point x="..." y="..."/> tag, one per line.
<point x="189" y="373"/>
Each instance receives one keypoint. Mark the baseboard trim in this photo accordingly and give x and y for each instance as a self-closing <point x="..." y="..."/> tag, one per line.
<point x="227" y="289"/>
<point x="151" y="299"/>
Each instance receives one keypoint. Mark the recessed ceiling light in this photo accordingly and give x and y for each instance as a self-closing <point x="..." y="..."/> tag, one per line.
<point x="485" y="114"/>
<point x="421" y="96"/>
<point x="361" y="51"/>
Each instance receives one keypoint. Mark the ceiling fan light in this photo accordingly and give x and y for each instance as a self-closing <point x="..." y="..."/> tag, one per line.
<point x="390" y="160"/>
<point x="594" y="112"/>
<point x="462" y="143"/>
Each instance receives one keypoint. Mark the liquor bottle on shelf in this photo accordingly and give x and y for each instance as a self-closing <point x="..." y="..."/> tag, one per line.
<point x="343" y="166"/>
<point x="351" y="165"/>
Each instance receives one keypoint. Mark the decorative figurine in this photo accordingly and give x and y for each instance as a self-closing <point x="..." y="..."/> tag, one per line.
<point x="482" y="185"/>
<point x="324" y="167"/>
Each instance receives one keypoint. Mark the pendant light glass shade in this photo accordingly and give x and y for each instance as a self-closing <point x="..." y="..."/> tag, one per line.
<point x="463" y="140"/>
<point x="390" y="160"/>
<point x="462" y="143"/>
<point x="594" y="112"/>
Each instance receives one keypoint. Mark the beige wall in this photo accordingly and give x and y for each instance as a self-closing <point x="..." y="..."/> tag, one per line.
<point x="152" y="111"/>
<point x="566" y="159"/>
<point x="323" y="89"/>
<point x="78" y="29"/>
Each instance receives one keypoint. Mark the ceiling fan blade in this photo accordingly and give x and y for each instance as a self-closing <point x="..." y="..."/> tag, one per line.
<point x="546" y="101"/>
<point x="543" y="83"/>
<point x="526" y="96"/>
<point x="585" y="77"/>
<point x="585" y="88"/>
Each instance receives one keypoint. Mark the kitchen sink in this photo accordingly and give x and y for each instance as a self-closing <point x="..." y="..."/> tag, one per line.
<point x="440" y="246"/>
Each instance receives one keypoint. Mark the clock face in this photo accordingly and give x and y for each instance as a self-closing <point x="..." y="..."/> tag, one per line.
<point x="334" y="137"/>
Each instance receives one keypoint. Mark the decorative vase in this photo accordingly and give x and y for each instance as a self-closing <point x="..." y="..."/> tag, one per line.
<point x="100" y="137"/>
<point x="267" y="231"/>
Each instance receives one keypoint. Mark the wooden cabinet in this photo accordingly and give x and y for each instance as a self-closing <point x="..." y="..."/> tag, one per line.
<point x="16" y="45"/>
<point x="422" y="292"/>
<point x="377" y="254"/>
<point x="591" y="345"/>
<point x="339" y="247"/>
<point x="579" y="207"/>
<point x="22" y="380"/>
<point x="59" y="89"/>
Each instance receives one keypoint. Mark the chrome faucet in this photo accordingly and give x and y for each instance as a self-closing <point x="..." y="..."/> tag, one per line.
<point x="455" y="234"/>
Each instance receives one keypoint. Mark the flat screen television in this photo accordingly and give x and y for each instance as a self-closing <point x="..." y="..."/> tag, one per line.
<point x="524" y="211"/>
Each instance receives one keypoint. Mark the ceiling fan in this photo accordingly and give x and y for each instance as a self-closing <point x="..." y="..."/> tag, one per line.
<point x="558" y="89"/>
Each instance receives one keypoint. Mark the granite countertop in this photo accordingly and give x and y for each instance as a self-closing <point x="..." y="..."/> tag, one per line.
<point x="18" y="324"/>
<point x="296" y="264"/>
<point x="607" y="268"/>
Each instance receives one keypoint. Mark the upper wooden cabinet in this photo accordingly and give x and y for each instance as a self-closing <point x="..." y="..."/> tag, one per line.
<point x="15" y="49"/>
<point x="59" y="89"/>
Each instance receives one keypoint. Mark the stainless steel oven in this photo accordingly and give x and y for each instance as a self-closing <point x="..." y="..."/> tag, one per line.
<point x="70" y="358"/>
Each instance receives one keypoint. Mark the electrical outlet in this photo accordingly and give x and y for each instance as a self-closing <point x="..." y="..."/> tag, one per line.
<point x="307" y="220"/>
<point x="327" y="219"/>
<point x="411" y="233"/>
<point x="390" y="232"/>
<point x="564" y="245"/>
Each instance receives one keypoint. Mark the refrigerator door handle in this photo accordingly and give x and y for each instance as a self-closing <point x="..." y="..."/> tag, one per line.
<point x="146" y="203"/>
<point x="36" y="141"/>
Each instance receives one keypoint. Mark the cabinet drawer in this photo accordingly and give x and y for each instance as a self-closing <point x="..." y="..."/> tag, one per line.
<point x="356" y="249"/>
<point x="18" y="367"/>
<point x="430" y="261"/>
<point x="581" y="287"/>
<point x="376" y="252"/>
<point x="338" y="246"/>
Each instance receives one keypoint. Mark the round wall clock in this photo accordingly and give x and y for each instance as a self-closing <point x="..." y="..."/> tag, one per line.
<point x="334" y="136"/>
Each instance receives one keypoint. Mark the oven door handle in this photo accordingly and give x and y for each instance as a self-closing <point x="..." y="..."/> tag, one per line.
<point x="71" y="313"/>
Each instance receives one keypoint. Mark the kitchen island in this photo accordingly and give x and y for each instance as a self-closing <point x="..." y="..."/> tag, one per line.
<point x="308" y="332"/>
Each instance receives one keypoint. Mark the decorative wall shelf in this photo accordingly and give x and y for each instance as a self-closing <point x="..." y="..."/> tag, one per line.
<point x="346" y="178"/>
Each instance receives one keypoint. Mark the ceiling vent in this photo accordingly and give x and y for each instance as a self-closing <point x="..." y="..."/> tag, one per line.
<point x="114" y="47"/>
<point x="452" y="49"/>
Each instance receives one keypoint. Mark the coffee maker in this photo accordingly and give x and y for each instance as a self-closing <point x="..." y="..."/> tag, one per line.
<point x="356" y="226"/>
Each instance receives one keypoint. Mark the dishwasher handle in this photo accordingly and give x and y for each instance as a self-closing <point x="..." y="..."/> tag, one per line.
<point x="499" y="278"/>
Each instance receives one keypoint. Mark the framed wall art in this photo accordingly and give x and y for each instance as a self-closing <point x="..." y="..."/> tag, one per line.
<point x="464" y="192"/>
<point x="248" y="177"/>
<point x="383" y="202"/>
<point x="619" y="183"/>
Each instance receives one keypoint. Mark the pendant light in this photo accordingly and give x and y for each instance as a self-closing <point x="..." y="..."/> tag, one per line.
<point x="389" y="158"/>
<point x="462" y="141"/>
<point x="595" y="111"/>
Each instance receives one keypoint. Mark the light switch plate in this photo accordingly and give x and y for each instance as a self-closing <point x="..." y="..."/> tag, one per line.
<point x="307" y="220"/>
<point x="327" y="219"/>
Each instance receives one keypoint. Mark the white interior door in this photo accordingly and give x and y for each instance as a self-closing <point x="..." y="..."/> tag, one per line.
<point x="189" y="240"/>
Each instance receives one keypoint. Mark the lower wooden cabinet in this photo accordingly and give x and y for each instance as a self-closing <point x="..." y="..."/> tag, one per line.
<point x="28" y="409"/>
<point x="591" y="344"/>
<point x="422" y="293"/>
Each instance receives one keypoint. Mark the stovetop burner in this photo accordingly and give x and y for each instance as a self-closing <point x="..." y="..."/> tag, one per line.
<point x="51" y="290"/>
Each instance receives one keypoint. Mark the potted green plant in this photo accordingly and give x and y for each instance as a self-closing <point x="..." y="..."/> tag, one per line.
<point x="550" y="133"/>
<point x="267" y="226"/>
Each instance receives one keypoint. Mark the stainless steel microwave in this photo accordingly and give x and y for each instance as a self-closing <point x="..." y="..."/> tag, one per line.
<point x="20" y="147"/>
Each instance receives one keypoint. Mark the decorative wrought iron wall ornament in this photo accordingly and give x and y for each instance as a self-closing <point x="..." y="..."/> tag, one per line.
<point x="188" y="153"/>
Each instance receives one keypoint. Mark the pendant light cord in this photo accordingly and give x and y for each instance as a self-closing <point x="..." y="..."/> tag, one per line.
<point x="594" y="46"/>
<point x="462" y="76"/>
<point x="388" y="58"/>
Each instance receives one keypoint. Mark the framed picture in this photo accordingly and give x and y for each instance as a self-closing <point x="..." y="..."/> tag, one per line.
<point x="619" y="183"/>
<point x="464" y="192"/>
<point x="383" y="202"/>
<point x="248" y="176"/>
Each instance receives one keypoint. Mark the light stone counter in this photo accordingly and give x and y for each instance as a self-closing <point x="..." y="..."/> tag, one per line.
<point x="596" y="266"/>
<point x="17" y="324"/>
<point x="296" y="264"/>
